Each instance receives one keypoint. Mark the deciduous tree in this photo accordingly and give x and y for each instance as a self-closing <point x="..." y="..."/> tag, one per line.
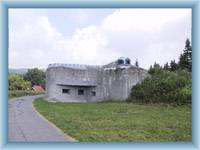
<point x="35" y="76"/>
<point x="16" y="82"/>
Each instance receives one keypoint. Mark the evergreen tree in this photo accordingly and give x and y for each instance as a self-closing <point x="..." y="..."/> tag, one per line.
<point x="157" y="66"/>
<point x="166" y="66"/>
<point x="150" y="69"/>
<point x="185" y="60"/>
<point x="173" y="65"/>
<point x="156" y="69"/>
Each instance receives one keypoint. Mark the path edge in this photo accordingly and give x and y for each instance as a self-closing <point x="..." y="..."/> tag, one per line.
<point x="53" y="125"/>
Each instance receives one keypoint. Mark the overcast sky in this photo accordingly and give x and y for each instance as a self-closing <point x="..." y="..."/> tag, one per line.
<point x="38" y="37"/>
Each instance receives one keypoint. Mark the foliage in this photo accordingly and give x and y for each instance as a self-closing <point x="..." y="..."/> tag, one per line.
<point x="185" y="60"/>
<point x="156" y="69"/>
<point x="16" y="82"/>
<point x="35" y="76"/>
<point x="166" y="67"/>
<point x="19" y="93"/>
<point x="164" y="87"/>
<point x="119" y="121"/>
<point x="170" y="84"/>
<point x="173" y="65"/>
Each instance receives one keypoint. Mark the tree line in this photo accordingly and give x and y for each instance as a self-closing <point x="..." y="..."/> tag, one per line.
<point x="28" y="80"/>
<point x="185" y="61"/>
<point x="171" y="83"/>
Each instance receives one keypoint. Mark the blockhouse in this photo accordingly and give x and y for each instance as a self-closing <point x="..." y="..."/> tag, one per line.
<point x="87" y="83"/>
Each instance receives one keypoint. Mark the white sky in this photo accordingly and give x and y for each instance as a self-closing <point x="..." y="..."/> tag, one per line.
<point x="38" y="37"/>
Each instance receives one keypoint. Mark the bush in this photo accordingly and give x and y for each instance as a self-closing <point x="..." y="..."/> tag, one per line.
<point x="16" y="82"/>
<point x="164" y="87"/>
<point x="19" y="93"/>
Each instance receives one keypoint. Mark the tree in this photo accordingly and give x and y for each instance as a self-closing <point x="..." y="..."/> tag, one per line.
<point x="136" y="63"/>
<point x="173" y="65"/>
<point x="156" y="69"/>
<point x="35" y="76"/>
<point x="16" y="82"/>
<point x="185" y="60"/>
<point x="165" y="87"/>
<point x="166" y="66"/>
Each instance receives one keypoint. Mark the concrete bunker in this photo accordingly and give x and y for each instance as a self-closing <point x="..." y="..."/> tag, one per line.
<point x="87" y="83"/>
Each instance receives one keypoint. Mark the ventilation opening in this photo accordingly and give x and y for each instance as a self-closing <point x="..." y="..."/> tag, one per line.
<point x="66" y="91"/>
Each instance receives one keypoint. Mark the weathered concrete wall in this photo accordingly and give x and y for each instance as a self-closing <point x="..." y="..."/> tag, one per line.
<point x="72" y="96"/>
<point x="117" y="83"/>
<point x="108" y="83"/>
<point x="58" y="77"/>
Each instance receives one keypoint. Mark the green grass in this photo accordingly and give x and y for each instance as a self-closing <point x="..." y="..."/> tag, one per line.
<point x="119" y="121"/>
<point x="19" y="93"/>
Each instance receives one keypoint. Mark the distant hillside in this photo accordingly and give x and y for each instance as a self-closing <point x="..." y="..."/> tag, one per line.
<point x="20" y="70"/>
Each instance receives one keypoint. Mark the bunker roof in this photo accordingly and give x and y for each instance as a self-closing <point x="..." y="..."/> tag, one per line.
<point x="73" y="66"/>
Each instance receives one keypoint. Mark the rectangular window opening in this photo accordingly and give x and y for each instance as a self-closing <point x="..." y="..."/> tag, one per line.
<point x="66" y="91"/>
<point x="80" y="92"/>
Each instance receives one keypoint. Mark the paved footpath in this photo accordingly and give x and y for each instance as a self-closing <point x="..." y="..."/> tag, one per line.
<point x="27" y="125"/>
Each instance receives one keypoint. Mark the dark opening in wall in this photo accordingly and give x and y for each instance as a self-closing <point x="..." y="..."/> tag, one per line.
<point x="80" y="92"/>
<point x="93" y="93"/>
<point x="67" y="91"/>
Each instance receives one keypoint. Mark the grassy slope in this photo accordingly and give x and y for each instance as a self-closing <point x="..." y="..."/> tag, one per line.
<point x="119" y="121"/>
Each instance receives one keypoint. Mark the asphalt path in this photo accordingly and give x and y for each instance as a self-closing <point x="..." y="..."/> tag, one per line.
<point x="25" y="124"/>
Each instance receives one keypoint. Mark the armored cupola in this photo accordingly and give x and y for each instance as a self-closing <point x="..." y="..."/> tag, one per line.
<point x="127" y="61"/>
<point x="123" y="61"/>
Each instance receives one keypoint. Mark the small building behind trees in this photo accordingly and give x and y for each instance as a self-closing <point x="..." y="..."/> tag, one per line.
<point x="38" y="88"/>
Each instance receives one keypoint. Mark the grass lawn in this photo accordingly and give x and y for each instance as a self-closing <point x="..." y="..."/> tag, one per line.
<point x="117" y="121"/>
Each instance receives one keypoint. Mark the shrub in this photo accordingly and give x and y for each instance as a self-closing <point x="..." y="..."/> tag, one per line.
<point x="16" y="82"/>
<point x="164" y="87"/>
<point x="19" y="93"/>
